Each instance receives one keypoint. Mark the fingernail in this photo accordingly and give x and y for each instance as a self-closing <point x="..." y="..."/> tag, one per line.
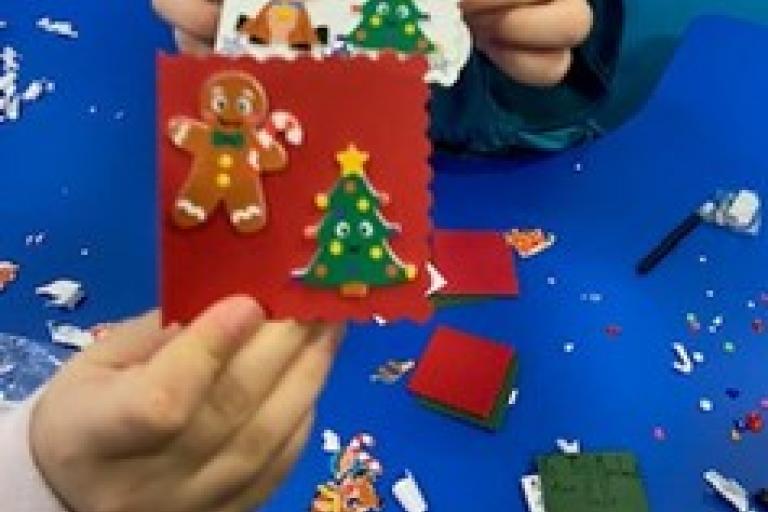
<point x="237" y="315"/>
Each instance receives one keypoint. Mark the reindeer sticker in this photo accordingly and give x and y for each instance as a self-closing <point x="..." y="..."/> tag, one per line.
<point x="354" y="473"/>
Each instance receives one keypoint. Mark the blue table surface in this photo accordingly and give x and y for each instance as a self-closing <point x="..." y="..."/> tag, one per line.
<point x="87" y="180"/>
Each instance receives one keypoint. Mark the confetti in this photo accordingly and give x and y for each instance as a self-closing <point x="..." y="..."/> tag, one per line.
<point x="569" y="347"/>
<point x="709" y="294"/>
<point x="730" y="490"/>
<point x="754" y="422"/>
<point x="551" y="281"/>
<point x="59" y="28"/>
<point x="732" y="393"/>
<point x="392" y="371"/>
<point x="578" y="167"/>
<point x="408" y="493"/>
<point x="698" y="357"/>
<point x="703" y="258"/>
<point x="613" y="330"/>
<point x="729" y="347"/>
<point x="693" y="322"/>
<point x="683" y="364"/>
<point x="735" y="435"/>
<point x="331" y="441"/>
<point x="764" y="403"/>
<point x="8" y="273"/>
<point x="659" y="434"/>
<point x="85" y="251"/>
<point x="71" y="336"/>
<point x="593" y="297"/>
<point x="513" y="396"/>
<point x="758" y="326"/>
<point x="62" y="293"/>
<point x="706" y="405"/>
<point x="751" y="304"/>
<point x="569" y="447"/>
<point x="12" y="97"/>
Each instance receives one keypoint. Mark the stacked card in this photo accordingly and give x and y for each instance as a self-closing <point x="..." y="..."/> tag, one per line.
<point x="607" y="482"/>
<point x="475" y="264"/>
<point x="466" y="376"/>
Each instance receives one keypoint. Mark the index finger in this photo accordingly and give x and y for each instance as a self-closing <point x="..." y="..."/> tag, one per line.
<point x="188" y="365"/>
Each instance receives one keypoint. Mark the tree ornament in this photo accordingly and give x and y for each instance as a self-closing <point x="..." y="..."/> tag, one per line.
<point x="353" y="251"/>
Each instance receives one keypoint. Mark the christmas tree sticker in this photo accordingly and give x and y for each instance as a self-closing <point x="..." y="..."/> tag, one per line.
<point x="353" y="251"/>
<point x="392" y="24"/>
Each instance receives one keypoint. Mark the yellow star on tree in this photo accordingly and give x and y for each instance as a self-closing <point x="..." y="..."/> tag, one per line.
<point x="352" y="161"/>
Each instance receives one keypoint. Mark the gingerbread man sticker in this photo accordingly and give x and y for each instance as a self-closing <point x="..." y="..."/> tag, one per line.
<point x="234" y="144"/>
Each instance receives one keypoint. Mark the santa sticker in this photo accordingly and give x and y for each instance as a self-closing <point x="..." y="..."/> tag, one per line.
<point x="432" y="29"/>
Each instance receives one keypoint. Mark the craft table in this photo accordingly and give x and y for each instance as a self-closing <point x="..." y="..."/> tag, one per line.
<point x="76" y="169"/>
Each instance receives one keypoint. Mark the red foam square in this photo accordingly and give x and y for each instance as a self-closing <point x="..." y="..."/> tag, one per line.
<point x="475" y="263"/>
<point x="377" y="105"/>
<point x="462" y="371"/>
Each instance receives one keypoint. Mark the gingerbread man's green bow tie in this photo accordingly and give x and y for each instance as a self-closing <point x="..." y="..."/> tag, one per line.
<point x="228" y="139"/>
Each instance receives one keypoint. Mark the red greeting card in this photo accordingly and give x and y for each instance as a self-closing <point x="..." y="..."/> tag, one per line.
<point x="301" y="183"/>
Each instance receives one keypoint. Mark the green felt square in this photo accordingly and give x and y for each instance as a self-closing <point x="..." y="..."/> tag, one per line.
<point x="496" y="418"/>
<point x="608" y="482"/>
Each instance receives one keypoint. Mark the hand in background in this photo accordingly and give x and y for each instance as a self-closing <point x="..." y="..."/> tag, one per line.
<point x="194" y="22"/>
<point x="207" y="418"/>
<point x="530" y="40"/>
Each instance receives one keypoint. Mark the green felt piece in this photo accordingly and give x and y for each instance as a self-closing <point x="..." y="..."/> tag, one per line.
<point x="492" y="422"/>
<point x="607" y="482"/>
<point x="446" y="301"/>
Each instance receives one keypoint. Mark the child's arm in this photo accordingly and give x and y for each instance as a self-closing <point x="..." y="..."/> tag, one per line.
<point x="23" y="488"/>
<point x="203" y="419"/>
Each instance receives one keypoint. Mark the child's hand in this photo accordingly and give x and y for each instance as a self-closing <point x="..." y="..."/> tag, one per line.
<point x="531" y="40"/>
<point x="194" y="22"/>
<point x="207" y="418"/>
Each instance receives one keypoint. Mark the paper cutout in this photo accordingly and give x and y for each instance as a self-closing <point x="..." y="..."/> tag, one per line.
<point x="728" y="489"/>
<point x="71" y="336"/>
<point x="290" y="28"/>
<point x="202" y="265"/>
<point x="354" y="253"/>
<point x="463" y="372"/>
<point x="534" y="498"/>
<point x="354" y="473"/>
<point x="475" y="263"/>
<point x="231" y="148"/>
<point x="607" y="482"/>
<point x="392" y="371"/>
<point x="529" y="242"/>
<point x="63" y="293"/>
<point x="392" y="24"/>
<point x="280" y="22"/>
<point x="8" y="273"/>
<point x="58" y="27"/>
<point x="408" y="494"/>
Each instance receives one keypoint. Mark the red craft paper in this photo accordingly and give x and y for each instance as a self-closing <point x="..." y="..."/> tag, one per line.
<point x="378" y="105"/>
<point x="474" y="263"/>
<point x="462" y="371"/>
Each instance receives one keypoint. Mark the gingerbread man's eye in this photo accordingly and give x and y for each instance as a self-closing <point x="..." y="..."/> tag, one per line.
<point x="219" y="104"/>
<point x="244" y="106"/>
<point x="382" y="9"/>
<point x="366" y="229"/>
<point x="342" y="229"/>
<point x="403" y="11"/>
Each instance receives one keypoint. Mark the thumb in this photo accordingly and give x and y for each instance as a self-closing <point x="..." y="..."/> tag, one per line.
<point x="132" y="342"/>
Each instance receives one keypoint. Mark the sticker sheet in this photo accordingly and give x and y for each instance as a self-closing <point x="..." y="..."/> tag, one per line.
<point x="311" y="195"/>
<point x="433" y="29"/>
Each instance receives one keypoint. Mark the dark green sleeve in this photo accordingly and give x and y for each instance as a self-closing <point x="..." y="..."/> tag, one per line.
<point x="486" y="112"/>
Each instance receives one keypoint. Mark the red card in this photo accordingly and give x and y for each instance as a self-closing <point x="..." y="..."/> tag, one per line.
<point x="353" y="107"/>
<point x="462" y="371"/>
<point x="474" y="263"/>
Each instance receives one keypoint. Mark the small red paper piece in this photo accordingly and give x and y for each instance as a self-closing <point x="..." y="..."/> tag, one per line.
<point x="378" y="105"/>
<point x="8" y="273"/>
<point x="474" y="263"/>
<point x="462" y="371"/>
